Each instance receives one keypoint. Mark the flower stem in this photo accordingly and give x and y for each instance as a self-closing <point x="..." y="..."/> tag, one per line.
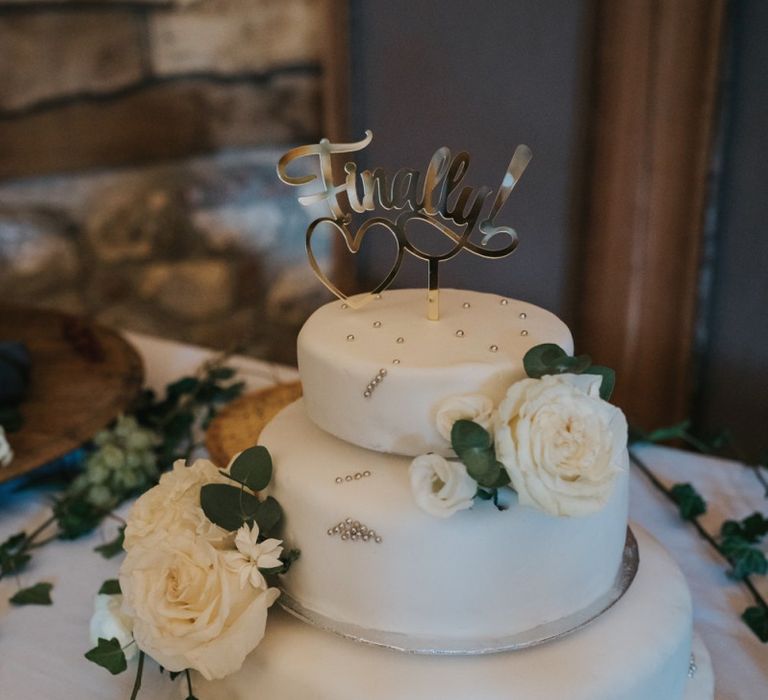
<point x="139" y="672"/>
<point x="696" y="523"/>
<point x="189" y="684"/>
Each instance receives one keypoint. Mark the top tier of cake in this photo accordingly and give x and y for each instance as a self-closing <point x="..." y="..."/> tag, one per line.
<point x="375" y="376"/>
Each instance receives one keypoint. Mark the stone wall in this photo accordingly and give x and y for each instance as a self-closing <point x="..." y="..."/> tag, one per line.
<point x="106" y="206"/>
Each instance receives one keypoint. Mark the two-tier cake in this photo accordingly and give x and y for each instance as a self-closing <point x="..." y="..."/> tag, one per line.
<point x="488" y="599"/>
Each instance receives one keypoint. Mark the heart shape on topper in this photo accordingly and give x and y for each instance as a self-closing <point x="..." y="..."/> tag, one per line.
<point x="353" y="242"/>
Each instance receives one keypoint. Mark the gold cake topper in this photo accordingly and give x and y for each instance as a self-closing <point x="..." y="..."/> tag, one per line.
<point x="416" y="201"/>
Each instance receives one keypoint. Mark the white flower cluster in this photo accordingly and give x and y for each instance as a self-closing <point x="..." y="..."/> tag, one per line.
<point x="192" y="593"/>
<point x="124" y="461"/>
<point x="560" y="443"/>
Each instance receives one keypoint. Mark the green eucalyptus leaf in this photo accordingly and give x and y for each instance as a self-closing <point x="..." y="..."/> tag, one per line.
<point x="571" y="365"/>
<point x="484" y="495"/>
<point x="221" y="373"/>
<point x="672" y="432"/>
<point x="481" y="465"/>
<point x="253" y="468"/>
<point x="503" y="478"/>
<point x="268" y="516"/>
<point x="466" y="435"/>
<point x="108" y="654"/>
<point x="609" y="380"/>
<point x="75" y="516"/>
<point x="540" y="359"/>
<point x="113" y="547"/>
<point x="228" y="506"/>
<point x="689" y="501"/>
<point x="110" y="587"/>
<point x="185" y="385"/>
<point x="756" y="618"/>
<point x="39" y="594"/>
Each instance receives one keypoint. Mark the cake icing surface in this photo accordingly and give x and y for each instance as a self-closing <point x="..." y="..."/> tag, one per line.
<point x="477" y="346"/>
<point x="639" y="650"/>
<point x="481" y="573"/>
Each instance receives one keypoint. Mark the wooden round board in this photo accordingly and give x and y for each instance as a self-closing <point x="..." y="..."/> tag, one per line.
<point x="83" y="376"/>
<point x="239" y="424"/>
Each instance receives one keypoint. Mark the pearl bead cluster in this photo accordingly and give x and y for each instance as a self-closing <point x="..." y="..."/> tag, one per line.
<point x="353" y="477"/>
<point x="374" y="383"/>
<point x="692" y="667"/>
<point x="354" y="530"/>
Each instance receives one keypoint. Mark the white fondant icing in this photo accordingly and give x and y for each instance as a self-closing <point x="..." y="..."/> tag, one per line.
<point x="434" y="362"/>
<point x="480" y="573"/>
<point x="638" y="650"/>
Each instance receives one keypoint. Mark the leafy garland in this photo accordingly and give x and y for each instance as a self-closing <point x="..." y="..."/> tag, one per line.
<point x="121" y="463"/>
<point x="229" y="507"/>
<point x="738" y="540"/>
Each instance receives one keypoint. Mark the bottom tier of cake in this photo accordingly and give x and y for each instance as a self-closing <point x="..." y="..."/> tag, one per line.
<point x="640" y="649"/>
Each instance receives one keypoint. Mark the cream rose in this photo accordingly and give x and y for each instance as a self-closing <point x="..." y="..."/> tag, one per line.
<point x="561" y="444"/>
<point x="188" y="607"/>
<point x="475" y="407"/>
<point x="441" y="488"/>
<point x="110" y="622"/>
<point x="6" y="453"/>
<point x="174" y="505"/>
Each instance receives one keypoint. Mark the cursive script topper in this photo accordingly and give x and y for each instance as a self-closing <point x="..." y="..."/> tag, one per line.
<point x="437" y="200"/>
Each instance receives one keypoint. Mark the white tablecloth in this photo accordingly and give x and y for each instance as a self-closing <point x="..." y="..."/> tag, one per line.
<point x="41" y="648"/>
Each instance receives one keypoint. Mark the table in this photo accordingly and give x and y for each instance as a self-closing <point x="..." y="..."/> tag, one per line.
<point x="41" y="648"/>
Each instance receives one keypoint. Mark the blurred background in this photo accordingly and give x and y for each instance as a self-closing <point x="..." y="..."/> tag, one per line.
<point x="138" y="141"/>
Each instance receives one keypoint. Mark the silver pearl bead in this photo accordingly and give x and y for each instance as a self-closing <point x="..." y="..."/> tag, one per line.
<point x="330" y="532"/>
<point x="358" y="475"/>
<point x="523" y="332"/>
<point x="460" y="333"/>
<point x="366" y="538"/>
<point x="367" y="393"/>
<point x="401" y="339"/>
<point x="522" y="314"/>
<point x="377" y="324"/>
<point x="366" y="473"/>
<point x="504" y="302"/>
<point x="345" y="536"/>
<point x="378" y="540"/>
<point x="339" y="480"/>
<point x="466" y="305"/>
<point x="350" y="338"/>
<point x="383" y="372"/>
<point x="344" y="306"/>
<point x="494" y="348"/>
<point x="395" y="362"/>
<point x="348" y="477"/>
<point x="377" y="296"/>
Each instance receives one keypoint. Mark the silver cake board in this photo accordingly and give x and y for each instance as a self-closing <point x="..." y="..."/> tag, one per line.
<point x="414" y="644"/>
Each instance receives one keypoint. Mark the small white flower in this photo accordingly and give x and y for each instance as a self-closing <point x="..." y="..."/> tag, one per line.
<point x="109" y="621"/>
<point x="6" y="453"/>
<point x="441" y="488"/>
<point x="252" y="556"/>
<point x="475" y="407"/>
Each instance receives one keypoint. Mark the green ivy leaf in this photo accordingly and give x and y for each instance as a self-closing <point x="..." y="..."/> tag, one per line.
<point x="221" y="373"/>
<point x="75" y="517"/>
<point x="268" y="516"/>
<point x="752" y="528"/>
<point x="756" y="618"/>
<point x="113" y="547"/>
<point x="609" y="380"/>
<point x="12" y="560"/>
<point x="672" y="432"/>
<point x="108" y="654"/>
<point x="745" y="559"/>
<point x="185" y="385"/>
<point x="228" y="506"/>
<point x="39" y="594"/>
<point x="689" y="501"/>
<point x="467" y="435"/>
<point x="253" y="468"/>
<point x="110" y="587"/>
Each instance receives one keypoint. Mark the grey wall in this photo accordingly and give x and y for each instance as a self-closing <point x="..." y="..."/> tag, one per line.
<point x="734" y="381"/>
<point x="481" y="77"/>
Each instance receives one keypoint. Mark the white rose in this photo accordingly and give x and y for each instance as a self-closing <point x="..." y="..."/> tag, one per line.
<point x="475" y="407"/>
<point x="561" y="444"/>
<point x="188" y="607"/>
<point x="6" y="453"/>
<point x="441" y="488"/>
<point x="174" y="504"/>
<point x="109" y="622"/>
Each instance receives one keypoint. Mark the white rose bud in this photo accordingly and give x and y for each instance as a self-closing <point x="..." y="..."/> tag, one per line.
<point x="441" y="488"/>
<point x="475" y="407"/>
<point x="561" y="444"/>
<point x="188" y="607"/>
<point x="109" y="622"/>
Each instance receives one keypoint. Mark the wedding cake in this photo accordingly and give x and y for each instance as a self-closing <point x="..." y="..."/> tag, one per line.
<point x="409" y="586"/>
